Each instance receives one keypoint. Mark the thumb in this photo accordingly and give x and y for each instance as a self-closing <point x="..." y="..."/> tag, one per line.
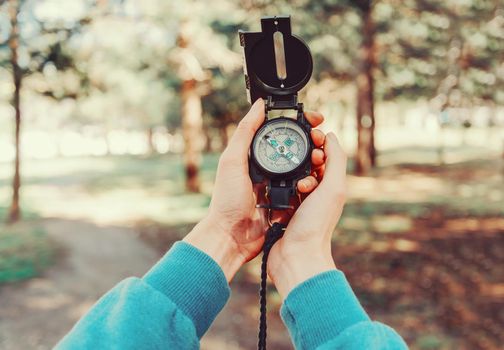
<point x="244" y="133"/>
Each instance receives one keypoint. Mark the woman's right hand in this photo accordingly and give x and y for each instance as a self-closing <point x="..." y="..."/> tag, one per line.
<point x="305" y="249"/>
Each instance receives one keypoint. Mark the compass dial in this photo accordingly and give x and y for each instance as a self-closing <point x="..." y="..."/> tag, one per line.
<point x="280" y="146"/>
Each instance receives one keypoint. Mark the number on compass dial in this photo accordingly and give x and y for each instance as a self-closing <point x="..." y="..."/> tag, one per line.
<point x="280" y="146"/>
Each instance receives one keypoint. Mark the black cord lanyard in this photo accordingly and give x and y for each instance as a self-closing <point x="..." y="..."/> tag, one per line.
<point x="279" y="195"/>
<point x="274" y="233"/>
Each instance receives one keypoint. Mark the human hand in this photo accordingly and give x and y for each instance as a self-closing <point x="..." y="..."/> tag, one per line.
<point x="233" y="231"/>
<point x="305" y="249"/>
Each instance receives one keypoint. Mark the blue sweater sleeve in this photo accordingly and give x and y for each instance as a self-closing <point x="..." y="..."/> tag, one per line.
<point x="324" y="313"/>
<point x="171" y="307"/>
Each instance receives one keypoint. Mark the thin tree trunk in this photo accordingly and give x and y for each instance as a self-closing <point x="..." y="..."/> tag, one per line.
<point x="223" y="133"/>
<point x="150" y="141"/>
<point x="366" y="153"/>
<point x="192" y="115"/>
<point x="192" y="131"/>
<point x="226" y="129"/>
<point x="208" y="139"/>
<point x="15" y="211"/>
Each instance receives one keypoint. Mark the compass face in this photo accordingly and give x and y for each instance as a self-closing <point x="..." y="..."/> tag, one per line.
<point x="280" y="146"/>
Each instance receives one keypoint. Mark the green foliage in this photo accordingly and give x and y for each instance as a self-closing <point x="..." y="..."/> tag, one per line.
<point x="427" y="48"/>
<point x="122" y="62"/>
<point x="24" y="253"/>
<point x="44" y="42"/>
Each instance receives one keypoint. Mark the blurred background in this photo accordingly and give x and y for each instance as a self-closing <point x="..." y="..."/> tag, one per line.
<point x="113" y="114"/>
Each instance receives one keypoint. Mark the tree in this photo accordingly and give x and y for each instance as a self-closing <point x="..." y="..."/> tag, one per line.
<point x="191" y="73"/>
<point x="199" y="49"/>
<point x="14" y="8"/>
<point x="365" y="157"/>
<point x="359" y="65"/>
<point x="341" y="35"/>
<point x="448" y="53"/>
<point x="41" y="49"/>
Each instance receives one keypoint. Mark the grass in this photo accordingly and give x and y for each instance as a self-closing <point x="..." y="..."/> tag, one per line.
<point x="25" y="249"/>
<point x="113" y="189"/>
<point x="24" y="252"/>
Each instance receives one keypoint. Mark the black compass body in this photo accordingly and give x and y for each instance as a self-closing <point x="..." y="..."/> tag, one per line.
<point x="278" y="65"/>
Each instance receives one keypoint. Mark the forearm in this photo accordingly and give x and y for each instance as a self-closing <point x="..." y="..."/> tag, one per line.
<point x="299" y="263"/>
<point x="132" y="315"/>
<point x="212" y="239"/>
<point x="171" y="306"/>
<point x="324" y="313"/>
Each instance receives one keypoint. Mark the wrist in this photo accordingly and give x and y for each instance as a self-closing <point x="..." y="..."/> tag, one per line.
<point x="293" y="269"/>
<point x="210" y="238"/>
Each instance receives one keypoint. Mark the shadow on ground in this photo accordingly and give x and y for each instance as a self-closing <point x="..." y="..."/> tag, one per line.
<point x="432" y="269"/>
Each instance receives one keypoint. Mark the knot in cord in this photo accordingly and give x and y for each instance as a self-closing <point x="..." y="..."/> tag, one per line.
<point x="274" y="233"/>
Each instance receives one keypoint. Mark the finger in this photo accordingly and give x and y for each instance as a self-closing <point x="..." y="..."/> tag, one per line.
<point x="244" y="133"/>
<point x="318" y="137"/>
<point x="307" y="184"/>
<point x="317" y="157"/>
<point x="335" y="167"/>
<point x="318" y="172"/>
<point x="327" y="200"/>
<point x="314" y="118"/>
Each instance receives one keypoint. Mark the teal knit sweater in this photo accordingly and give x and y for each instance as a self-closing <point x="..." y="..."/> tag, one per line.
<point x="173" y="305"/>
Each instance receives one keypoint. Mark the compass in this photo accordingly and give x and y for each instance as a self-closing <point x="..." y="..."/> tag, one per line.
<point x="280" y="146"/>
<point x="277" y="65"/>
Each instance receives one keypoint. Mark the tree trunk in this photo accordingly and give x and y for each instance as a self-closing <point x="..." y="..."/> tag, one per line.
<point x="150" y="141"/>
<point x="226" y="130"/>
<point x="365" y="157"/>
<point x="223" y="133"/>
<point x="15" y="211"/>
<point x="192" y="131"/>
<point x="192" y="114"/>
<point x="208" y="139"/>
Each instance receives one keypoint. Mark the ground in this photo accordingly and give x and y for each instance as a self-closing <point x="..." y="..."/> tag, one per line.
<point x="420" y="244"/>
<point x="37" y="312"/>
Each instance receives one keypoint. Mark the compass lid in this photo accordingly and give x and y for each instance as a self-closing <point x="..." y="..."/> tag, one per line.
<point x="277" y="63"/>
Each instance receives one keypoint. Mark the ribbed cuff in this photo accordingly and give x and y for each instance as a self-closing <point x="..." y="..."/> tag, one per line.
<point x="320" y="308"/>
<point x="193" y="281"/>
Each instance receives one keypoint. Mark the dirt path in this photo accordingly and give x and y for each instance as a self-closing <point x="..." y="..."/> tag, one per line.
<point x="35" y="314"/>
